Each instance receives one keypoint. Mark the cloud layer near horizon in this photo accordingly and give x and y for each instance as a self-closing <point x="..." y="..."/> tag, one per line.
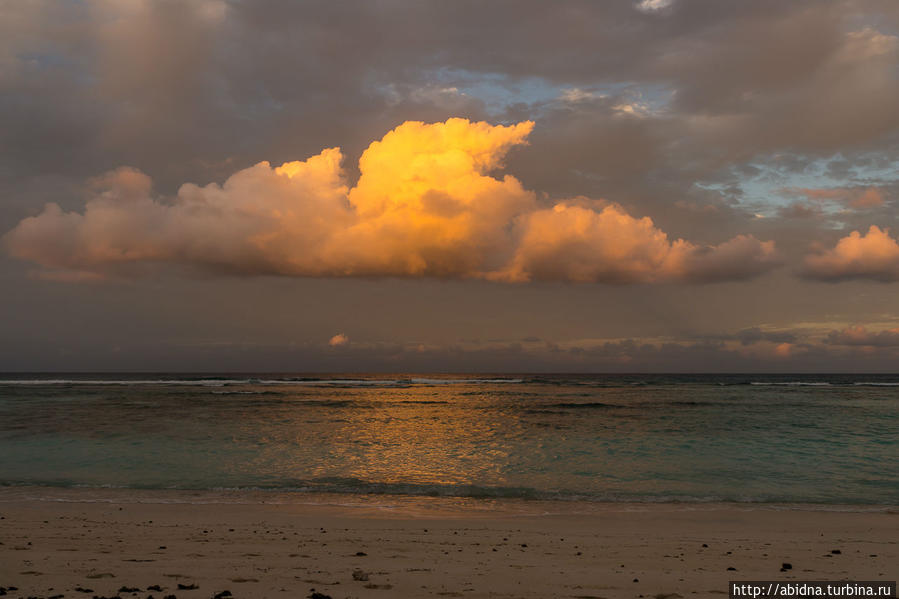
<point x="425" y="204"/>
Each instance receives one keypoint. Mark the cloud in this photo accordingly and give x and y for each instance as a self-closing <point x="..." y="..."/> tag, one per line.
<point x="425" y="205"/>
<point x="869" y="198"/>
<point x="338" y="340"/>
<point x="800" y="210"/>
<point x="859" y="335"/>
<point x="873" y="256"/>
<point x="784" y="350"/>
<point x="576" y="242"/>
<point x="755" y="335"/>
<point x="650" y="6"/>
<point x="854" y="197"/>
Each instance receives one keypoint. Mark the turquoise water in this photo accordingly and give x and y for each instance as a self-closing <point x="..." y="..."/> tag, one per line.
<point x="759" y="438"/>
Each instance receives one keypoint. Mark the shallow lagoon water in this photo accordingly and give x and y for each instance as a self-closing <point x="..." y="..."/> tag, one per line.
<point x="639" y="438"/>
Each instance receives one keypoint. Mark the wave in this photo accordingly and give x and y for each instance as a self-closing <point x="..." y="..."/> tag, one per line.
<point x="292" y="491"/>
<point x="246" y="392"/>
<point x="587" y="405"/>
<point x="298" y="381"/>
<point x="197" y="382"/>
<point x="792" y="383"/>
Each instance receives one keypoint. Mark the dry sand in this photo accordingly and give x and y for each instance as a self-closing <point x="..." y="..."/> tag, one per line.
<point x="53" y="543"/>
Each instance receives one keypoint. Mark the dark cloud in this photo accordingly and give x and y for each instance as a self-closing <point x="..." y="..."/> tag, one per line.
<point x="860" y="335"/>
<point x="755" y="334"/>
<point x="800" y="210"/>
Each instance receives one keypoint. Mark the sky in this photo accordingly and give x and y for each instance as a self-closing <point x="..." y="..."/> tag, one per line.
<point x="432" y="186"/>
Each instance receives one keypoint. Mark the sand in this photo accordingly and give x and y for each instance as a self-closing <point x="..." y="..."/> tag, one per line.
<point x="53" y="543"/>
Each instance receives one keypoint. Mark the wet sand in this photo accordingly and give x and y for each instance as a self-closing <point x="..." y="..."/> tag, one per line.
<point x="79" y="543"/>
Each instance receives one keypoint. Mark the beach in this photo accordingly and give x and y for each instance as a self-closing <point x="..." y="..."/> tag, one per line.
<point x="260" y="545"/>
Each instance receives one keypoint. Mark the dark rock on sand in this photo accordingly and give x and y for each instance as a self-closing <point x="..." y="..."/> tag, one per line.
<point x="732" y="568"/>
<point x="82" y="590"/>
<point x="316" y="595"/>
<point x="154" y="587"/>
<point x="187" y="587"/>
<point x="223" y="594"/>
<point x="786" y="566"/>
<point x="361" y="554"/>
<point x="360" y="575"/>
<point x="129" y="590"/>
<point x="836" y="551"/>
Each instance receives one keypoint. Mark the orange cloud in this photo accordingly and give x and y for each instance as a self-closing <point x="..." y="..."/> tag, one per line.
<point x="783" y="350"/>
<point x="338" y="340"/>
<point x="868" y="198"/>
<point x="425" y="204"/>
<point x="574" y="242"/>
<point x="856" y="256"/>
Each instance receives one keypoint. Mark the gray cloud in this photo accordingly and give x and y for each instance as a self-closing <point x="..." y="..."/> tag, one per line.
<point x="755" y="334"/>
<point x="860" y="335"/>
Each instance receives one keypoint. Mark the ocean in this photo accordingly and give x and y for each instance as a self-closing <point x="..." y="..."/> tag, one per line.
<point x="811" y="439"/>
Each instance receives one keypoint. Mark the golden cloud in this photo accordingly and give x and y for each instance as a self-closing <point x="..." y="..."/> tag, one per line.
<point x="425" y="204"/>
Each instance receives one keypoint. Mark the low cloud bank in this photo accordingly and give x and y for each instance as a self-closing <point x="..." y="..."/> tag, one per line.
<point x="860" y="335"/>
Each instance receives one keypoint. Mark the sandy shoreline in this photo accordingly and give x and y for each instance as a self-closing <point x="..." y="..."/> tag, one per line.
<point x="57" y="541"/>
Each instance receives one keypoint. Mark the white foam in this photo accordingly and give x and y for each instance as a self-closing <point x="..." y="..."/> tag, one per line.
<point x="792" y="383"/>
<point x="253" y="381"/>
